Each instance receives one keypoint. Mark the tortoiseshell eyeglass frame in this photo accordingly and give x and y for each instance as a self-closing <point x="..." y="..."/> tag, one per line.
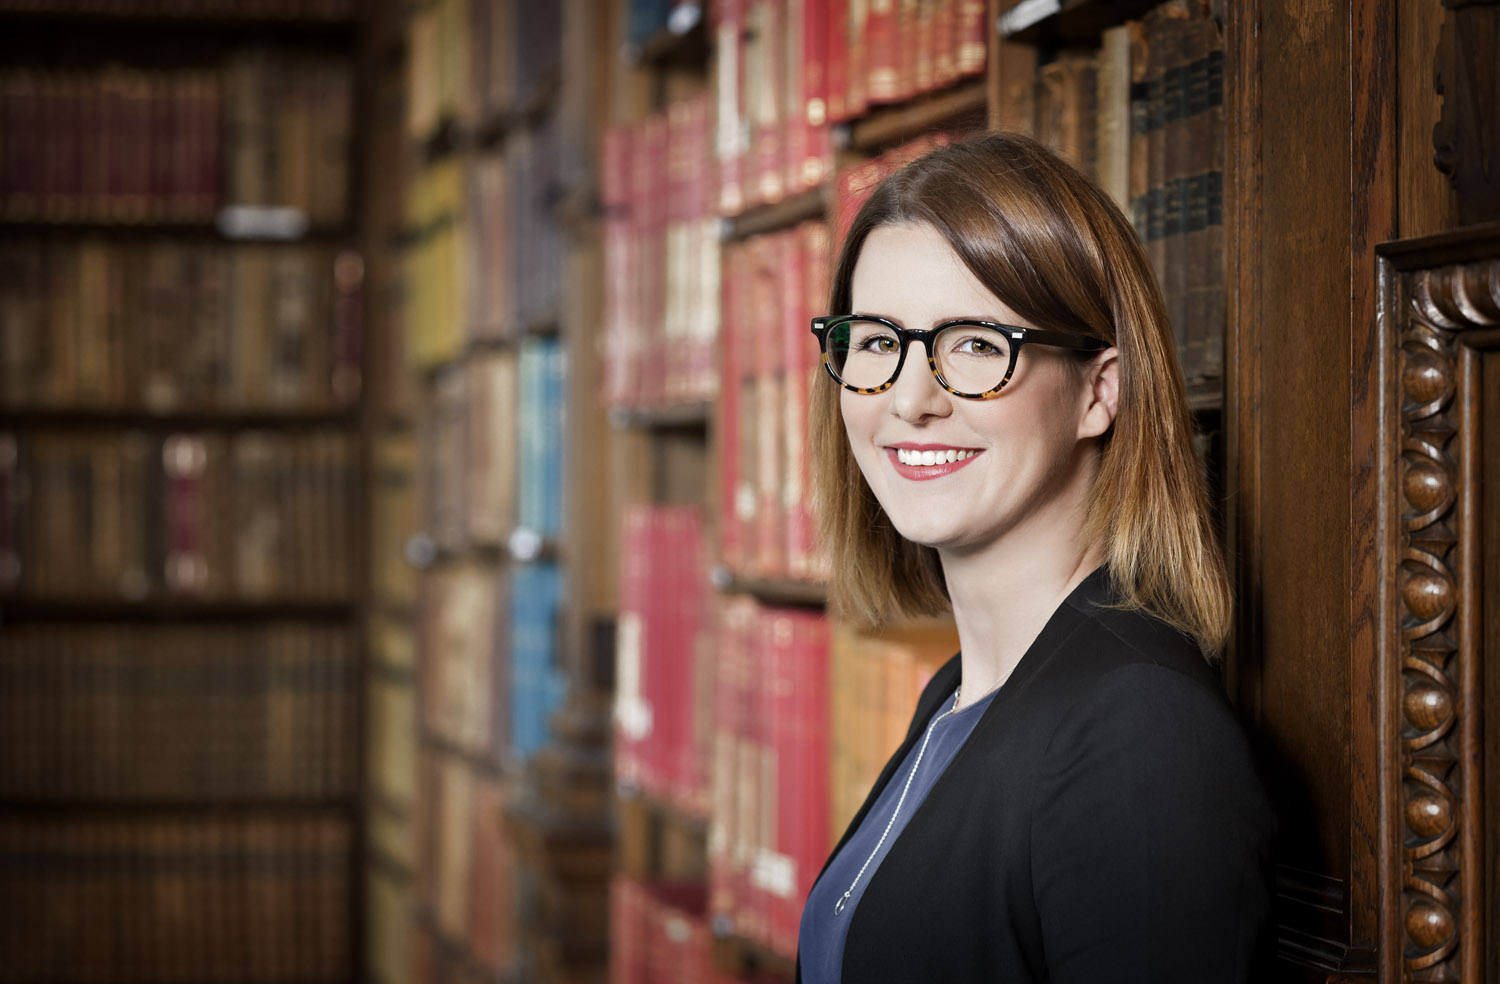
<point x="1018" y="335"/>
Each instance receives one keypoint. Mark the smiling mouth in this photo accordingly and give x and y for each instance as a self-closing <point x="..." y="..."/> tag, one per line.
<point x="928" y="459"/>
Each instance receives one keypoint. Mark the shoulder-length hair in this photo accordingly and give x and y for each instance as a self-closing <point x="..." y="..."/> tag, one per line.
<point x="1057" y="251"/>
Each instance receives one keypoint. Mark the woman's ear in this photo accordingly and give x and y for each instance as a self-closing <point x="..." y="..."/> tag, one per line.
<point x="1101" y="394"/>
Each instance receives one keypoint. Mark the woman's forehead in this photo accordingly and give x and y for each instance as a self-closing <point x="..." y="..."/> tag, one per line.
<point x="909" y="273"/>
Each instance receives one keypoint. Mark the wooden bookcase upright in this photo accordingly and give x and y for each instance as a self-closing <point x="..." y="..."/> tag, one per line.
<point x="182" y="791"/>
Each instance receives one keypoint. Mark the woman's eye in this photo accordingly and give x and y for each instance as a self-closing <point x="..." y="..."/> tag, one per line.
<point x="884" y="344"/>
<point x="978" y="346"/>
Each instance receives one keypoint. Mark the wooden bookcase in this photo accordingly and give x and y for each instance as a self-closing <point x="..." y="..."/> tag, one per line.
<point x="1335" y="140"/>
<point x="181" y="623"/>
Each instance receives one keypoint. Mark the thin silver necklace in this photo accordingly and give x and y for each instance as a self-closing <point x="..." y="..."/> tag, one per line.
<point x="838" y="907"/>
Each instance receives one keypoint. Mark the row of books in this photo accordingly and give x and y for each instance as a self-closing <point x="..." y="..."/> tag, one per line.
<point x="189" y="713"/>
<point x="289" y="132"/>
<point x="131" y="145"/>
<point x="1143" y="115"/>
<point x="877" y="678"/>
<point x="769" y="819"/>
<point x="495" y="446"/>
<point x="250" y="515"/>
<point x="467" y="887"/>
<point x="165" y="327"/>
<point x="471" y="61"/>
<point x="484" y="260"/>
<point x="773" y="286"/>
<point x="664" y="658"/>
<point x="788" y="70"/>
<point x="313" y="10"/>
<point x="175" y="899"/>
<point x="661" y="257"/>
<point x="490" y="673"/>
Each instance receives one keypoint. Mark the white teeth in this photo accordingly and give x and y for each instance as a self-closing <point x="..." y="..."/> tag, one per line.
<point x="930" y="458"/>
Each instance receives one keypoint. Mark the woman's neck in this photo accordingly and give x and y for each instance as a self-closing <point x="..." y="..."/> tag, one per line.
<point x="1002" y="598"/>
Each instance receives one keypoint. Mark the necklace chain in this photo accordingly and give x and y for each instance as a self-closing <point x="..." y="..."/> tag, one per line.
<point x="838" y="907"/>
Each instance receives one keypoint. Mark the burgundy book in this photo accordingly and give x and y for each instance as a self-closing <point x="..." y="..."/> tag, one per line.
<point x="731" y="527"/>
<point x="729" y="94"/>
<point x="883" y="42"/>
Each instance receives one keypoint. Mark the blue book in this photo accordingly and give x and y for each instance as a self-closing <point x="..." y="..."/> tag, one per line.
<point x="538" y="685"/>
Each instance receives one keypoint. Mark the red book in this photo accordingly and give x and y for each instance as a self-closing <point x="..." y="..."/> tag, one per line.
<point x="809" y="144"/>
<point x="777" y="866"/>
<point x="944" y="45"/>
<point x="766" y="100"/>
<point x="882" y="52"/>
<point x="706" y="255"/>
<point x="184" y="460"/>
<point x="817" y="261"/>
<point x="631" y="711"/>
<point x="628" y="932"/>
<point x="856" y="58"/>
<point x="615" y="190"/>
<point x="676" y="208"/>
<point x="795" y="340"/>
<point x="653" y="181"/>
<point x="729" y="138"/>
<point x="971" y="34"/>
<point x="813" y="689"/>
<point x="731" y="529"/>
<point x="770" y="553"/>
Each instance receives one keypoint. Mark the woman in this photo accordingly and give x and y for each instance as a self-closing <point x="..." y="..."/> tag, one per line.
<point x="1005" y="434"/>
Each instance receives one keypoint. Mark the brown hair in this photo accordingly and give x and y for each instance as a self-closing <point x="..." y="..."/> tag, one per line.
<point x="1056" y="250"/>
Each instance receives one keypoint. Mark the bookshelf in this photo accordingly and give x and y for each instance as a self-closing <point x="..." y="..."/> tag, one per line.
<point x="785" y="179"/>
<point x="182" y="480"/>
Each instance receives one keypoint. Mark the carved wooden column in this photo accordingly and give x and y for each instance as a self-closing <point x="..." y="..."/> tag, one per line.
<point x="1438" y="396"/>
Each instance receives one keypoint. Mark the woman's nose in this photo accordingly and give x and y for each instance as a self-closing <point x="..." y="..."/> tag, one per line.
<point x="916" y="394"/>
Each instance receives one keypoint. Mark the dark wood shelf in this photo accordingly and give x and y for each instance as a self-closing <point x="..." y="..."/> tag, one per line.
<point x="97" y="806"/>
<point x="682" y="416"/>
<point x="202" y="419"/>
<point x="168" y="609"/>
<point x="206" y="231"/>
<point x="774" y="591"/>
<point x="507" y="552"/>
<point x="802" y="207"/>
<point x="682" y="43"/>
<point x="667" y="812"/>
<point x="964" y="105"/>
<point x="1205" y="395"/>
<point x="504" y="768"/>
<point x="1067" y="22"/>
<point x="450" y="136"/>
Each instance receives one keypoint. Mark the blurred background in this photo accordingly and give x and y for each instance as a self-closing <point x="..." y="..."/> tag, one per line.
<point x="406" y="567"/>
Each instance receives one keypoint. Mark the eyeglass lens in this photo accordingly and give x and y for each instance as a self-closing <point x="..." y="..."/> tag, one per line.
<point x="970" y="358"/>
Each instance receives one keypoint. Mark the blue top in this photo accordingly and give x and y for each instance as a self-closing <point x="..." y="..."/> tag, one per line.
<point x="821" y="936"/>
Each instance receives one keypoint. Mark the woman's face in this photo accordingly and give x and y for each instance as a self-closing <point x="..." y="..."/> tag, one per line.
<point x="1023" y="461"/>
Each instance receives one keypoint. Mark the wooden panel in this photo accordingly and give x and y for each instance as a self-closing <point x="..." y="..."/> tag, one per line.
<point x="1441" y="325"/>
<point x="1301" y="343"/>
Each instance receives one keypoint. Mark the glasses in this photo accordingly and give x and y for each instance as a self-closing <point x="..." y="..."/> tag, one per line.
<point x="970" y="359"/>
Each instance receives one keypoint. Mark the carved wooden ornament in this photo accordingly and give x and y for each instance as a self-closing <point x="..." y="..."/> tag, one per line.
<point x="1440" y="320"/>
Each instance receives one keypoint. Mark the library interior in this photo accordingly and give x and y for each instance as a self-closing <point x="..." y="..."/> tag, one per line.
<point x="447" y="363"/>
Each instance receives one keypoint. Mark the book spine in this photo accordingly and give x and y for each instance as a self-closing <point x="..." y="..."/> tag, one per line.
<point x="10" y="513"/>
<point x="883" y="46"/>
<point x="971" y="30"/>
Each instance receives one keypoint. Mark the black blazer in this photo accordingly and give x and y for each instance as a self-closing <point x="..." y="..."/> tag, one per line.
<point x="1103" y="824"/>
